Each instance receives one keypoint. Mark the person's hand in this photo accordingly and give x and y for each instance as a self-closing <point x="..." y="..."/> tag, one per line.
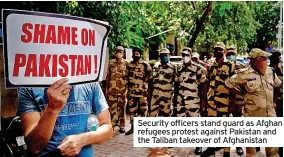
<point x="106" y="92"/>
<point x="202" y="105"/>
<point x="58" y="94"/>
<point x="71" y="145"/>
<point x="274" y="105"/>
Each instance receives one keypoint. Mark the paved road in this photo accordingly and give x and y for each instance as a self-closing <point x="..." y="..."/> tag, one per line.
<point x="122" y="146"/>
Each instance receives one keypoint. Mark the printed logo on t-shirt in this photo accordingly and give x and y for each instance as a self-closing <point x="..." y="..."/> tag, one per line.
<point x="76" y="108"/>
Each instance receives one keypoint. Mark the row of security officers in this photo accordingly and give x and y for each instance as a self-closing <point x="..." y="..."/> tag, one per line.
<point x="221" y="89"/>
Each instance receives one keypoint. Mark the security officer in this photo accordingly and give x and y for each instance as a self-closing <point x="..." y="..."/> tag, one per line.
<point x="277" y="65"/>
<point x="164" y="74"/>
<point x="189" y="78"/>
<point x="257" y="82"/>
<point x="218" y="95"/>
<point x="239" y="100"/>
<point x="195" y="58"/>
<point x="138" y="74"/>
<point x="116" y="88"/>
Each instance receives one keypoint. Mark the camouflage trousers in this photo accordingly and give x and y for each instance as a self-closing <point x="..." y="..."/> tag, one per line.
<point x="160" y="106"/>
<point x="255" y="111"/>
<point x="239" y="107"/>
<point x="217" y="111"/>
<point x="188" y="108"/>
<point x="270" y="151"/>
<point x="138" y="106"/>
<point x="117" y="110"/>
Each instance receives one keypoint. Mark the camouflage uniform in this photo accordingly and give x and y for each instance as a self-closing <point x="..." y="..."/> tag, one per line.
<point x="188" y="99"/>
<point x="218" y="95"/>
<point x="239" y="100"/>
<point x="117" y="91"/>
<point x="258" y="95"/>
<point x="163" y="81"/>
<point x="137" y="88"/>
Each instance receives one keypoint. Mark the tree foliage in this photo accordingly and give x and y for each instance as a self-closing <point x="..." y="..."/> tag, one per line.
<point x="244" y="24"/>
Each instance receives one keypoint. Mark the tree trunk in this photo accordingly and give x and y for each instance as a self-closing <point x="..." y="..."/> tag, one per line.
<point x="199" y="24"/>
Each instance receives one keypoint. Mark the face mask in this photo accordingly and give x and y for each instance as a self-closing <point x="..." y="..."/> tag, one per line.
<point x="231" y="58"/>
<point x="118" y="55"/>
<point x="186" y="59"/>
<point x="135" y="58"/>
<point x="218" y="55"/>
<point x="165" y="59"/>
<point x="261" y="66"/>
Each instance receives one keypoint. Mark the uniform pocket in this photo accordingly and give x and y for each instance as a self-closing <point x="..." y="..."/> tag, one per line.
<point x="269" y="84"/>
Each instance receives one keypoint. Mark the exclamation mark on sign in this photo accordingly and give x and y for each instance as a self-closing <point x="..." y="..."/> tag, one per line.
<point x="96" y="61"/>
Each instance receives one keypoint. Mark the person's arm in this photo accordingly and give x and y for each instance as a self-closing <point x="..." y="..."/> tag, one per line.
<point x="202" y="80"/>
<point x="148" y="75"/>
<point x="277" y="85"/>
<point x="235" y="84"/>
<point x="38" y="129"/>
<point x="205" y="88"/>
<point x="72" y="145"/>
<point x="103" y="133"/>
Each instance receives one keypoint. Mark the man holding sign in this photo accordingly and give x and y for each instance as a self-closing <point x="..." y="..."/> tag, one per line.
<point x="56" y="118"/>
<point x="51" y="47"/>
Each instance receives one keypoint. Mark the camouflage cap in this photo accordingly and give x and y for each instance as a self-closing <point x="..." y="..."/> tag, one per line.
<point x="275" y="51"/>
<point x="186" y="50"/>
<point x="119" y="48"/>
<point x="256" y="52"/>
<point x="164" y="51"/>
<point x="220" y="45"/>
<point x="195" y="55"/>
<point x="231" y="49"/>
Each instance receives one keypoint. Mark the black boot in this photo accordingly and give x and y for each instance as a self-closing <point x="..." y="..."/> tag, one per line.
<point x="121" y="130"/>
<point x="257" y="149"/>
<point x="280" y="151"/>
<point x="129" y="132"/>
<point x="208" y="152"/>
<point x="198" y="150"/>
<point x="226" y="154"/>
<point x="240" y="151"/>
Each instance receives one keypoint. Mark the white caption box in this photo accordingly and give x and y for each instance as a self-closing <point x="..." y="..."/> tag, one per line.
<point x="208" y="132"/>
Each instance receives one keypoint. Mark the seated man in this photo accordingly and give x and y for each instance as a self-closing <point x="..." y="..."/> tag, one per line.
<point x="56" y="118"/>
